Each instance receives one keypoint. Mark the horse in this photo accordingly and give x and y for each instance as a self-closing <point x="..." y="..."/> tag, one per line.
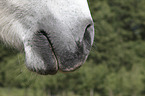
<point x="54" y="34"/>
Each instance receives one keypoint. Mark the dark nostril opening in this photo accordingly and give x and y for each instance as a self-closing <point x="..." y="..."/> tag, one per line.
<point x="88" y="26"/>
<point x="87" y="34"/>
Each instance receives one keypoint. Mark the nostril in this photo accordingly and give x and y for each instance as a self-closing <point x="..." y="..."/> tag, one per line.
<point x="88" y="35"/>
<point x="89" y="25"/>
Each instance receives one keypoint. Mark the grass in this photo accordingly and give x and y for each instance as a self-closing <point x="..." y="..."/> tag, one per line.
<point x="20" y="92"/>
<point x="29" y="92"/>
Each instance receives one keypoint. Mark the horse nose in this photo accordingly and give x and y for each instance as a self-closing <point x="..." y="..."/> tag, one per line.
<point x="71" y="61"/>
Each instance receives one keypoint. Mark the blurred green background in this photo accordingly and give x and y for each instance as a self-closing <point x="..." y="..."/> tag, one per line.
<point x="115" y="67"/>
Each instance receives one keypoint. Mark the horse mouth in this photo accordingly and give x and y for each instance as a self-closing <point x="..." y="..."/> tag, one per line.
<point x="59" y="61"/>
<point x="50" y="43"/>
<point x="55" y="68"/>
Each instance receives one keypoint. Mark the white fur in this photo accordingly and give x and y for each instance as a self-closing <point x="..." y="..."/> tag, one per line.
<point x="21" y="19"/>
<point x="11" y="29"/>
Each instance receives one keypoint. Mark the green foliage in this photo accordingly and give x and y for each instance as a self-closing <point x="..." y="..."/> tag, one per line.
<point x="116" y="64"/>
